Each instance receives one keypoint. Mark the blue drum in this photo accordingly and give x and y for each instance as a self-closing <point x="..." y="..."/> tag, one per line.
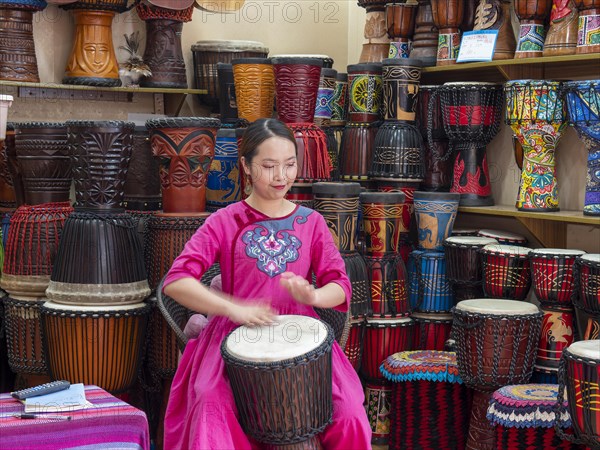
<point x="583" y="103"/>
<point x="413" y="279"/>
<point x="435" y="213"/>
<point x="434" y="290"/>
<point x="223" y="181"/>
<point x="5" y="223"/>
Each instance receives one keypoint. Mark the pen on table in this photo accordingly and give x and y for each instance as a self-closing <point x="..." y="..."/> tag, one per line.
<point x="41" y="416"/>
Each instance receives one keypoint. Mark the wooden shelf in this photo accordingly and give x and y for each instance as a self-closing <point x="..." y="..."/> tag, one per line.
<point x="549" y="67"/>
<point x="72" y="87"/>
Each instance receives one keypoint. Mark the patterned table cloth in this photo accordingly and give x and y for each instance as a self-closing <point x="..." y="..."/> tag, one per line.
<point x="111" y="424"/>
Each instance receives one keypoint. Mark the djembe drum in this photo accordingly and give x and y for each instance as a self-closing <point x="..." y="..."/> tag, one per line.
<point x="562" y="35"/>
<point x="464" y="264"/>
<point x="228" y="110"/>
<point x="142" y="185"/>
<point x="365" y="90"/>
<point x="356" y="151"/>
<point x="32" y="243"/>
<point x="558" y="332"/>
<point x="207" y="54"/>
<point x="298" y="373"/>
<point x="583" y="103"/>
<point x="43" y="159"/>
<point x="93" y="60"/>
<point x="355" y="343"/>
<point x="339" y="103"/>
<point x="524" y="415"/>
<point x="506" y="271"/>
<point x="447" y="16"/>
<point x="17" y="49"/>
<point x="13" y="184"/>
<point x="435" y="213"/>
<point x="400" y="22"/>
<point x="425" y="38"/>
<point x="185" y="149"/>
<point x="496" y="343"/>
<point x="471" y="115"/>
<point x="99" y="345"/>
<point x="496" y="15"/>
<point x="438" y="164"/>
<point x="422" y="381"/>
<point x="324" y="106"/>
<point x="254" y="80"/>
<point x="536" y="113"/>
<point x="432" y="331"/>
<point x="164" y="53"/>
<point x="552" y="271"/>
<point x="377" y="44"/>
<point x="434" y="291"/>
<point x="532" y="15"/>
<point x="382" y="219"/>
<point x="504" y="237"/>
<point x="579" y="374"/>
<point x="587" y="269"/>
<point x="589" y="26"/>
<point x="223" y="183"/>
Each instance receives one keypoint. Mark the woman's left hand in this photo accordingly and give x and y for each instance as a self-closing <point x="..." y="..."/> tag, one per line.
<point x="302" y="291"/>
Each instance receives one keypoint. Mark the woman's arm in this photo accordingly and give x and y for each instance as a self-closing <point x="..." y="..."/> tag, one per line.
<point x="328" y="296"/>
<point x="192" y="294"/>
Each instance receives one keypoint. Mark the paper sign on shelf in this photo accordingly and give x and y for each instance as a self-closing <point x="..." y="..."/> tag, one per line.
<point x="477" y="46"/>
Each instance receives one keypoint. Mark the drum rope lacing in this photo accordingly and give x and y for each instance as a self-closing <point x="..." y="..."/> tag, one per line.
<point x="559" y="407"/>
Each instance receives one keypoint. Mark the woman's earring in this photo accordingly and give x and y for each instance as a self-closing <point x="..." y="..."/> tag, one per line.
<point x="248" y="183"/>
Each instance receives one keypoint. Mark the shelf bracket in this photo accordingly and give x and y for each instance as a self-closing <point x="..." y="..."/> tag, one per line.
<point x="503" y="73"/>
<point x="551" y="234"/>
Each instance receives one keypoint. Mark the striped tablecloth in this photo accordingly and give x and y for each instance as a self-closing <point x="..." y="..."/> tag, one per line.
<point x="111" y="424"/>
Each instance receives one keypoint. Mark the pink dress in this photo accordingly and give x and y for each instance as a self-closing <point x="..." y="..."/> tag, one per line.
<point x="253" y="250"/>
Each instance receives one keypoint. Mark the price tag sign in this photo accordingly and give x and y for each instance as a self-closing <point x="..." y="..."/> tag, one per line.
<point x="477" y="46"/>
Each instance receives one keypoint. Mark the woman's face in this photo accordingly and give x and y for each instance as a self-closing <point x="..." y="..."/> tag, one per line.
<point x="273" y="169"/>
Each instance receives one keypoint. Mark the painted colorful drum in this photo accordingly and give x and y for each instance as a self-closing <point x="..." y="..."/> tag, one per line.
<point x="471" y="114"/>
<point x="504" y="237"/>
<point x="588" y="282"/>
<point x="206" y="55"/>
<point x="378" y="403"/>
<point x="536" y="112"/>
<point x="506" y="271"/>
<point x="435" y="213"/>
<point x="299" y="372"/>
<point x="365" y="90"/>
<point x="339" y="103"/>
<point x="583" y="104"/>
<point x="580" y="374"/>
<point x="398" y="153"/>
<point x="401" y="80"/>
<point x="254" y="80"/>
<point x="524" y="415"/>
<point x="553" y="275"/>
<point x="432" y="331"/>
<point x="592" y="328"/>
<point x="32" y="243"/>
<point x="384" y="337"/>
<point x="356" y="150"/>
<point x="562" y="35"/>
<point x="422" y="381"/>
<point x="223" y="186"/>
<point x="24" y="336"/>
<point x="99" y="345"/>
<point x="355" y="342"/>
<point x="142" y="185"/>
<point x="400" y="22"/>
<point x="447" y="17"/>
<point x="185" y="149"/>
<point x="434" y="291"/>
<point x="558" y="332"/>
<point x="382" y="217"/>
<point x="464" y="264"/>
<point x="324" y="106"/>
<point x="532" y="15"/>
<point x="589" y="26"/>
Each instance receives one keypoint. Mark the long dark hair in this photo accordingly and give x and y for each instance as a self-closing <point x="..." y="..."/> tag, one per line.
<point x="259" y="131"/>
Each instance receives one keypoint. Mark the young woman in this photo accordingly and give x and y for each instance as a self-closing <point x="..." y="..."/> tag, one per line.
<point x="267" y="248"/>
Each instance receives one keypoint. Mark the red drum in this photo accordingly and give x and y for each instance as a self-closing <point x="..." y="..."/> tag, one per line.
<point x="464" y="265"/>
<point x="378" y="399"/>
<point x="558" y="332"/>
<point x="301" y="194"/>
<point x="431" y="331"/>
<point x="356" y="150"/>
<point x="506" y="271"/>
<point x="354" y="345"/>
<point x="588" y="282"/>
<point x="422" y="383"/>
<point x="99" y="345"/>
<point x="24" y="336"/>
<point x="592" y="329"/>
<point x="288" y="365"/>
<point x="314" y="162"/>
<point x="504" y="237"/>
<point x="580" y="374"/>
<point x="496" y="341"/>
<point x="384" y="337"/>
<point x="553" y="275"/>
<point x="31" y="248"/>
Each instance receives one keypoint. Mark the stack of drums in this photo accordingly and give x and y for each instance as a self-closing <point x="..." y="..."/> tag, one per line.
<point x="524" y="417"/>
<point x="495" y="345"/>
<point x="338" y="204"/>
<point x="433" y="297"/>
<point x="339" y="117"/>
<point x="587" y="276"/>
<point x="423" y="383"/>
<point x="463" y="259"/>
<point x="297" y="79"/>
<point x="164" y="53"/>
<point x="95" y="322"/>
<point x="365" y="94"/>
<point x="41" y="158"/>
<point x="554" y="284"/>
<point x="390" y="330"/>
<point x="579" y="374"/>
<point x="93" y="31"/>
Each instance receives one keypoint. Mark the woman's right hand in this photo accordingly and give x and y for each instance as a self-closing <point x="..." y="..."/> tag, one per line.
<point x="251" y="314"/>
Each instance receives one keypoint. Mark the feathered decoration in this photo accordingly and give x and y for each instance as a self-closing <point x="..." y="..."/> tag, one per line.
<point x="134" y="67"/>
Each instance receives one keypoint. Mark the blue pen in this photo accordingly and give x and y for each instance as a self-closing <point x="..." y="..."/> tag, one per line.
<point x="41" y="417"/>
